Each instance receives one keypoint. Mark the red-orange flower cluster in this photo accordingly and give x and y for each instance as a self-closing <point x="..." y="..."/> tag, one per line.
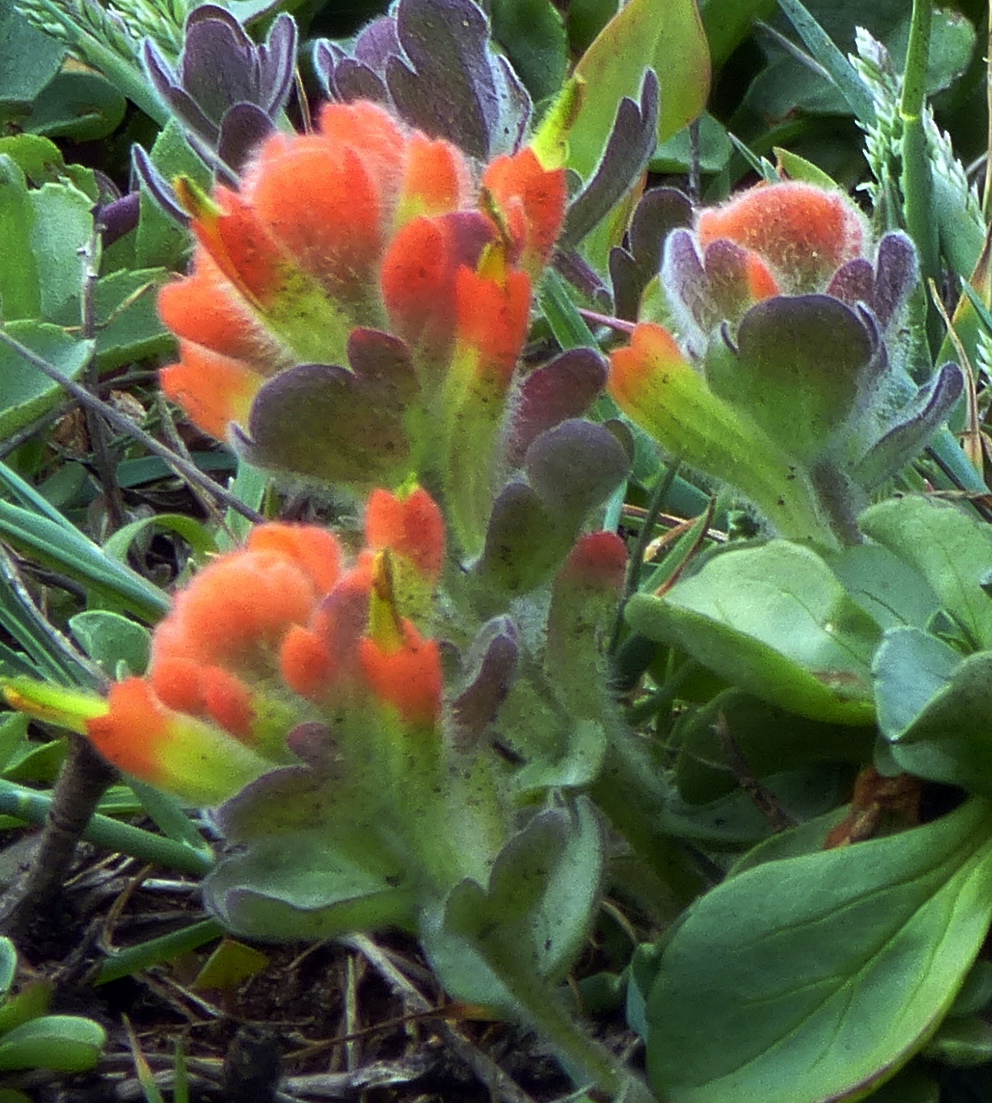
<point x="264" y="639"/>
<point x="363" y="223"/>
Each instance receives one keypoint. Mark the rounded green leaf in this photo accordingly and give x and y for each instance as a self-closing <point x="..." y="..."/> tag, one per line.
<point x="665" y="35"/>
<point x="60" y="1043"/>
<point x="813" y="979"/>
<point x="775" y="621"/>
<point x="951" y="548"/>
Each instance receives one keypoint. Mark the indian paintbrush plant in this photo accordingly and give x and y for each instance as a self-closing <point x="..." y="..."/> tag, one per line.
<point x="477" y="715"/>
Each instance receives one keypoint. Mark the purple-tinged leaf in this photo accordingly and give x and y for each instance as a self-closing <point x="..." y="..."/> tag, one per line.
<point x="897" y="272"/>
<point x="491" y="665"/>
<point x="854" y="282"/>
<point x="244" y="128"/>
<point x="522" y="548"/>
<point x="378" y="42"/>
<point x="324" y="422"/>
<point x="563" y="388"/>
<point x="433" y="62"/>
<point x="119" y="217"/>
<point x="574" y="467"/>
<point x="277" y="64"/>
<point x="355" y="81"/>
<point x="158" y="187"/>
<point x="218" y="67"/>
<point x="659" y="212"/>
<point x="182" y="105"/>
<point x="802" y="368"/>
<point x="726" y="268"/>
<point x="220" y="70"/>
<point x="686" y="285"/>
<point x="900" y="446"/>
<point x="630" y="146"/>
<point x="582" y="276"/>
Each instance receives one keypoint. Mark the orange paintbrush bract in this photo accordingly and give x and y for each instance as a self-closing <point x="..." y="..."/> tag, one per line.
<point x="280" y="633"/>
<point x="364" y="223"/>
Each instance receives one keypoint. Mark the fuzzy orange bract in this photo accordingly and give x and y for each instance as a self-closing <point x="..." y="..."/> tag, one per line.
<point x="354" y="225"/>
<point x="411" y="527"/>
<point x="652" y="349"/>
<point x="803" y="231"/>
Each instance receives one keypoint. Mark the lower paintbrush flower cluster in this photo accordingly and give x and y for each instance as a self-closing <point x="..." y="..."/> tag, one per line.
<point x="283" y="634"/>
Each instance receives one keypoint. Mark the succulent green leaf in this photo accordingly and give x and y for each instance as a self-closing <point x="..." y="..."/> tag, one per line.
<point x="28" y="61"/>
<point x="815" y="978"/>
<point x="775" y="621"/>
<point x="533" y="35"/>
<point x="933" y="707"/>
<point x="889" y="590"/>
<point x="81" y="105"/>
<point x="665" y="35"/>
<point x="769" y="739"/>
<point x="111" y="640"/>
<point x="949" y="547"/>
<point x="59" y="1043"/>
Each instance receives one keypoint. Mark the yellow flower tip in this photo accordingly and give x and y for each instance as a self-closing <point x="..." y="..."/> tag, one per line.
<point x="493" y="263"/>
<point x="59" y="705"/>
<point x="193" y="199"/>
<point x="385" y="622"/>
<point x="550" y="142"/>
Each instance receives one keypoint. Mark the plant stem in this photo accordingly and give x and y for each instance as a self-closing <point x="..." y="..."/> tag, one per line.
<point x="917" y="176"/>
<point x="82" y="782"/>
<point x="109" y="834"/>
<point x="585" y="1059"/>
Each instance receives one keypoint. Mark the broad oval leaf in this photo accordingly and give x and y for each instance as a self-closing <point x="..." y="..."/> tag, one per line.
<point x="814" y="979"/>
<point x="933" y="707"/>
<point x="61" y="1043"/>
<point x="775" y="621"/>
<point x="665" y="35"/>
<point x="950" y="548"/>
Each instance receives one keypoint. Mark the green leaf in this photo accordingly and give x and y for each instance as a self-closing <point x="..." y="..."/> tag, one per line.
<point x="533" y="35"/>
<point x="31" y="1002"/>
<point x="63" y="225"/>
<point x="815" y="978"/>
<point x="950" y="548"/>
<point x="230" y="964"/>
<point x="532" y="918"/>
<point x="59" y="1043"/>
<point x="25" y="393"/>
<point x="111" y="640"/>
<point x="39" y="159"/>
<point x="768" y="738"/>
<point x="840" y="70"/>
<point x="160" y="240"/>
<point x="200" y="539"/>
<point x="889" y="590"/>
<point x="81" y="105"/>
<point x="20" y="295"/>
<point x="962" y="1042"/>
<point x="775" y="621"/>
<point x="69" y="550"/>
<point x="129" y="326"/>
<point x="933" y="707"/>
<point x="665" y="35"/>
<point x="8" y="964"/>
<point x="715" y="149"/>
<point x="28" y="61"/>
